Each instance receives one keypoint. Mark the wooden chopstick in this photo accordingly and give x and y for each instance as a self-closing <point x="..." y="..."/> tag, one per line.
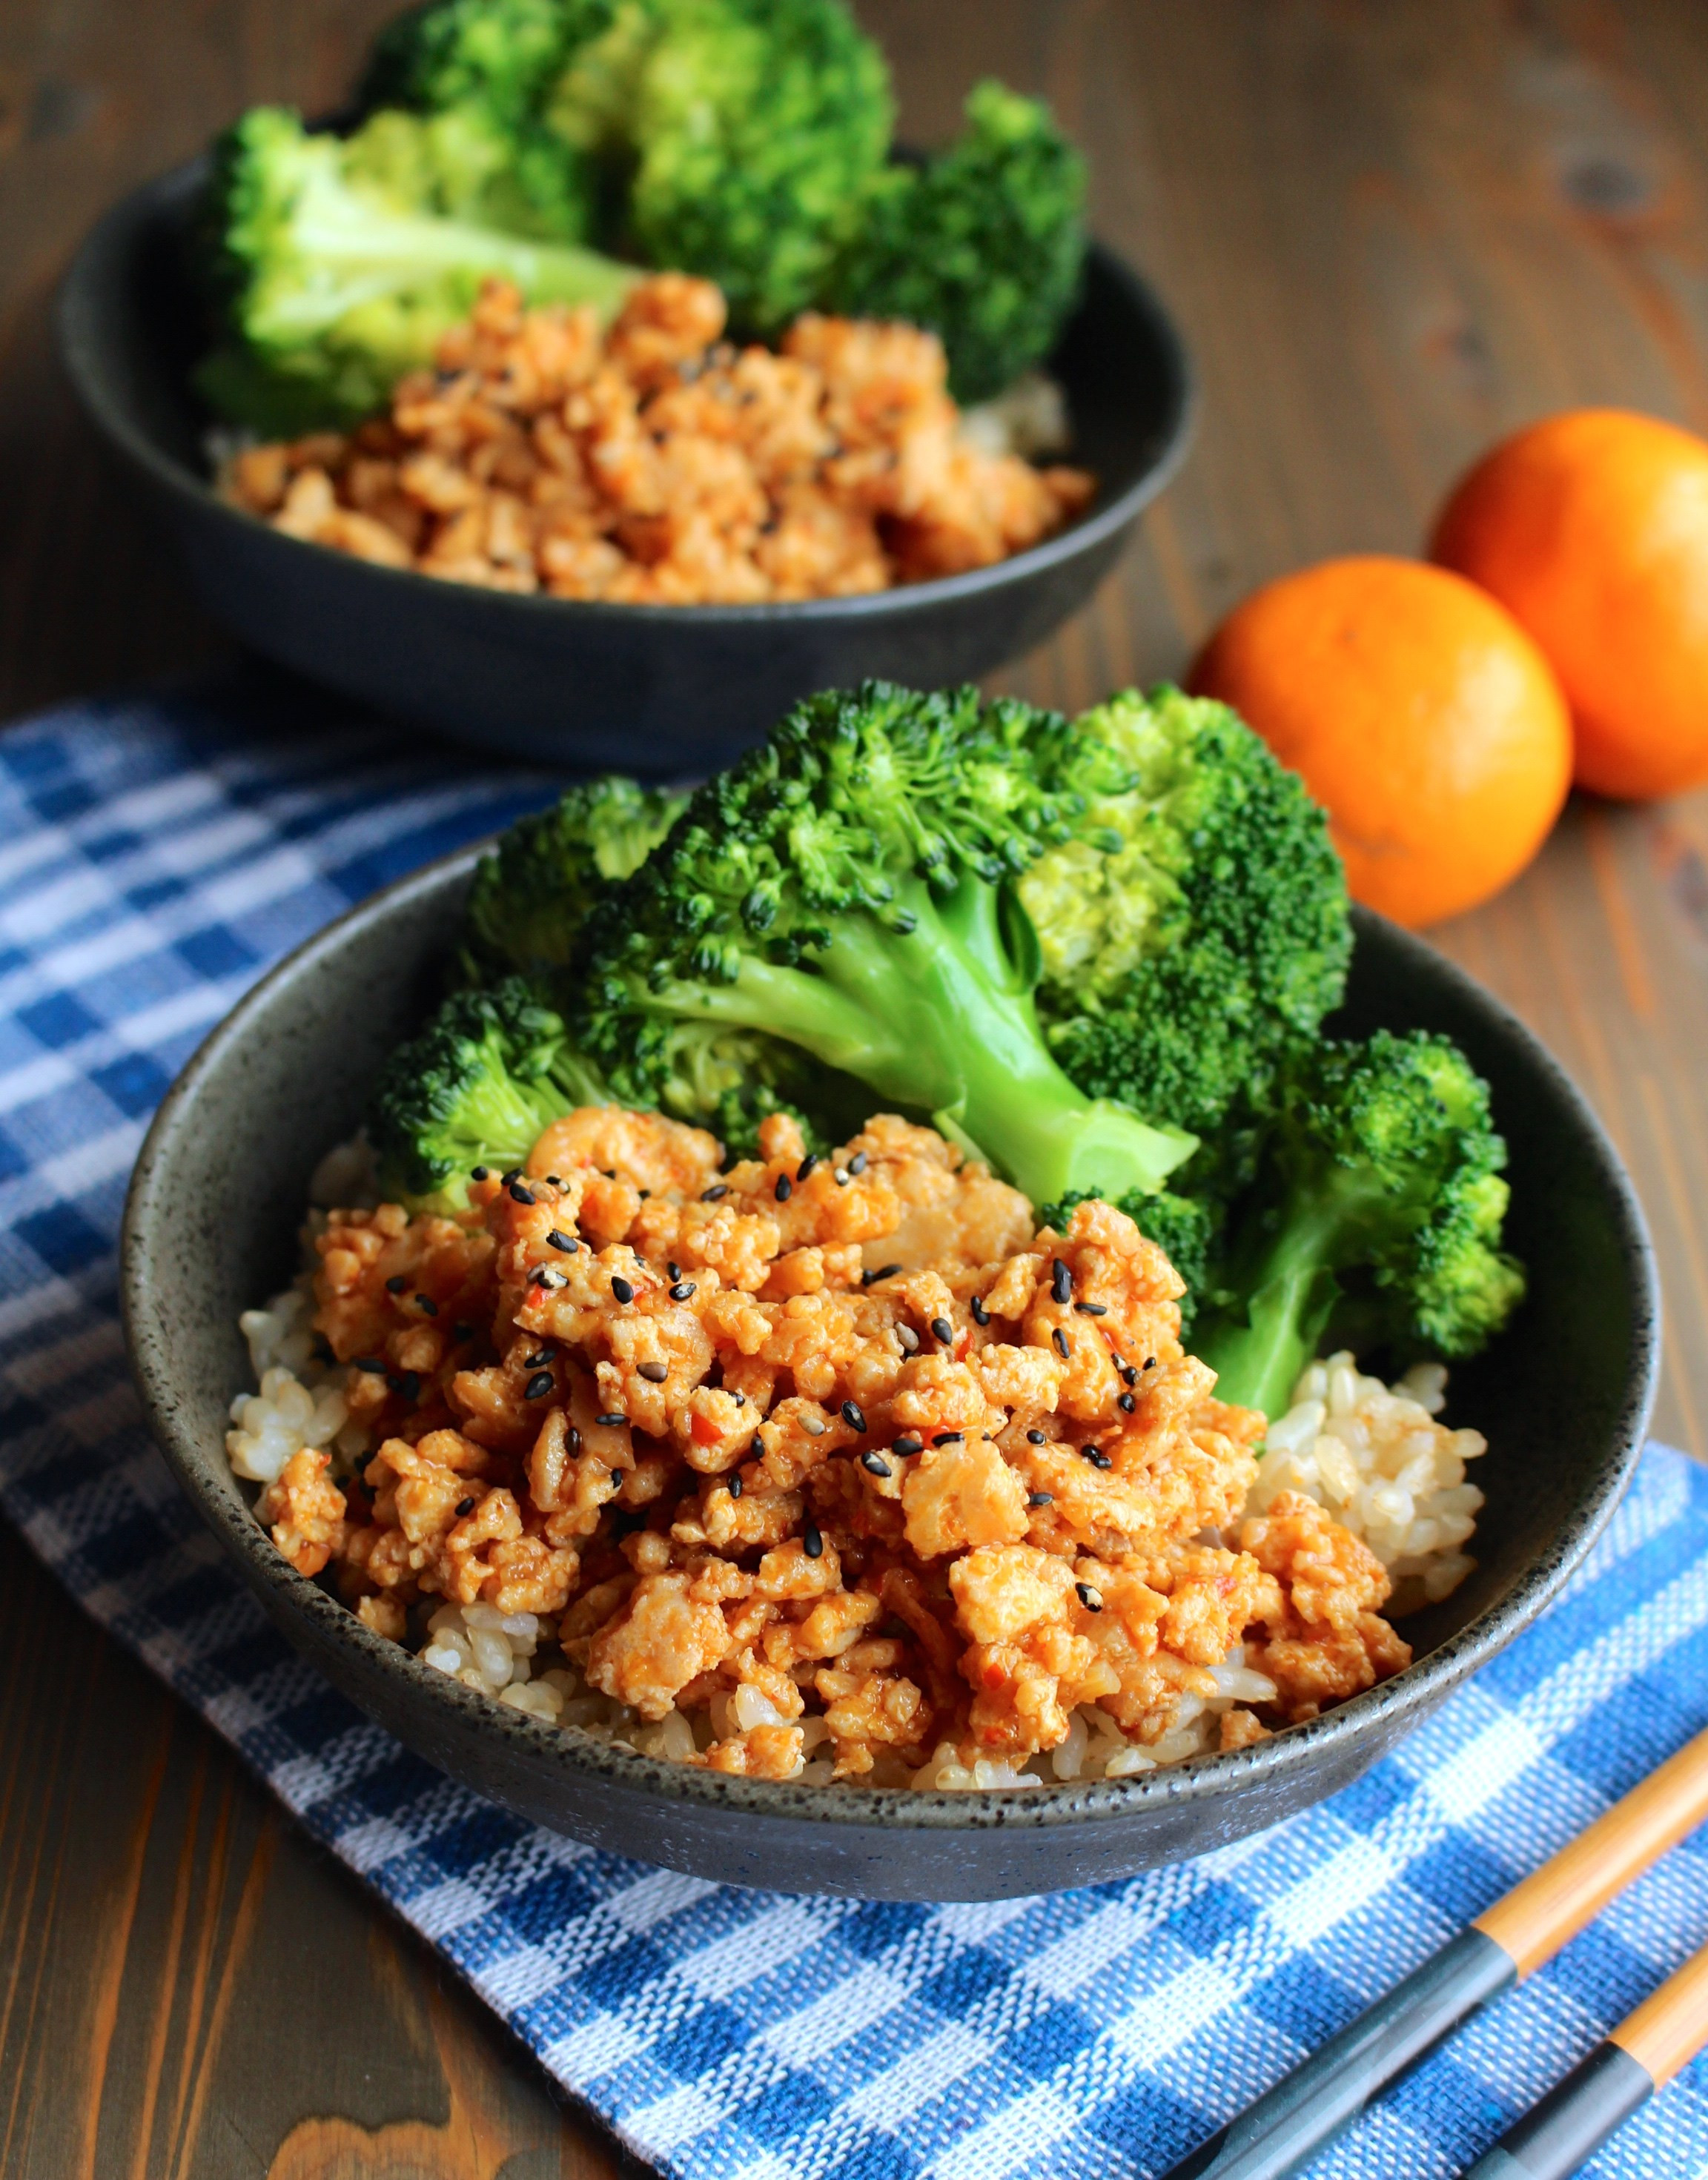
<point x="1286" y="2126"/>
<point x="1570" y="2124"/>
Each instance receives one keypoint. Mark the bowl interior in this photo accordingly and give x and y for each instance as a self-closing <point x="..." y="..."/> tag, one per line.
<point x="1563" y="1399"/>
<point x="134" y="326"/>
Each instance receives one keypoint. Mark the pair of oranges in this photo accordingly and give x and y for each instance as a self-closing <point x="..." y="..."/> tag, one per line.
<point x="1440" y="712"/>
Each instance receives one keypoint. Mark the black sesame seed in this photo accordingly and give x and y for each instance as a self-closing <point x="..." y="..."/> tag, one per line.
<point x="428" y="1303"/>
<point x="566" y="1242"/>
<point x="948" y="1438"/>
<point x="538" y="1385"/>
<point x="858" y="1163"/>
<point x="674" y="1268"/>
<point x="756" y="1444"/>
<point x="611" y="1421"/>
<point x="621" y="1289"/>
<point x="480" y="1173"/>
<point x="909" y="1338"/>
<point x="1129" y="1373"/>
<point x="884" y="1272"/>
<point x="460" y="1331"/>
<point x="1096" y="1456"/>
<point x="735" y="1487"/>
<point x="1061" y="1340"/>
<point x="1091" y="1309"/>
<point x="1040" y="1499"/>
<point x="1150" y="1362"/>
<point x="554" y="1179"/>
<point x="784" y="1188"/>
<point x="372" y="1364"/>
<point x="396" y="1286"/>
<point x="682" y="1289"/>
<point x="1061" y="1282"/>
<point x="853" y="1415"/>
<point x="874" y="1464"/>
<point x="980" y="1314"/>
<point x="1036" y="1438"/>
<point x="514" y="1174"/>
<point x="740" y="1399"/>
<point x="715" y="1193"/>
<point x="464" y="1507"/>
<point x="906" y="1446"/>
<point x="572" y="1440"/>
<point x="654" y="1373"/>
<point x="520" y="1195"/>
<point x="1126" y="1403"/>
<point x="807" y="1164"/>
<point x="1089" y="1597"/>
<point x="533" y="1361"/>
<point x="812" y="1541"/>
<point x="942" y="1330"/>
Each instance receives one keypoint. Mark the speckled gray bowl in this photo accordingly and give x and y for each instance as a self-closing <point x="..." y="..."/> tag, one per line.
<point x="1564" y="1399"/>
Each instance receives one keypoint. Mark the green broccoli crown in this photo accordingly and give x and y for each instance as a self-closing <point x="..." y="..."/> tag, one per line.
<point x="1196" y="931"/>
<point x="336" y="280"/>
<point x="984" y="244"/>
<point x="856" y="794"/>
<point x="503" y="56"/>
<point x="847" y="887"/>
<point x="1397" y="1135"/>
<point x="756" y="126"/>
<point x="480" y="1085"/>
<point x="1379" y="1211"/>
<point x="532" y="895"/>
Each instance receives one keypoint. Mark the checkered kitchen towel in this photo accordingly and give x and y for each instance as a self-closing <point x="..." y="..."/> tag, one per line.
<point x="154" y="859"/>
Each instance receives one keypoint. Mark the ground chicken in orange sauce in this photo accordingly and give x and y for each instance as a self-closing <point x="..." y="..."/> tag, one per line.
<point x="839" y="1445"/>
<point x="657" y="465"/>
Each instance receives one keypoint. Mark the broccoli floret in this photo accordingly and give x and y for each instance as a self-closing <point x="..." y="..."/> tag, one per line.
<point x="532" y="896"/>
<point x="847" y="888"/>
<point x="746" y="132"/>
<point x="336" y="280"/>
<point x="1195" y="933"/>
<point x="504" y="56"/>
<point x="1379" y="1208"/>
<point x="488" y="66"/>
<point x="984" y="244"/>
<point x="529" y="902"/>
<point x="484" y="1081"/>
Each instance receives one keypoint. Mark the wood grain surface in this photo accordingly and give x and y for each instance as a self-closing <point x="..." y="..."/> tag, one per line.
<point x="1391" y="230"/>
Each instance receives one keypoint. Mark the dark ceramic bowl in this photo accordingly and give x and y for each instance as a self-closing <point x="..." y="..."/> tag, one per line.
<point x="655" y="689"/>
<point x="1564" y="1399"/>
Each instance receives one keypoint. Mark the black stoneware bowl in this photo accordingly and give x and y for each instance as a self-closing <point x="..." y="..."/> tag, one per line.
<point x="1564" y="1399"/>
<point x="663" y="689"/>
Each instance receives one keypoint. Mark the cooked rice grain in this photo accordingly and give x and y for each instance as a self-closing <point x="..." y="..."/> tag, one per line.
<point x="1376" y="1456"/>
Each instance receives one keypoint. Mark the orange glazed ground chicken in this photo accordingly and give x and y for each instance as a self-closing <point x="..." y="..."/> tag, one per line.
<point x="826" y="1467"/>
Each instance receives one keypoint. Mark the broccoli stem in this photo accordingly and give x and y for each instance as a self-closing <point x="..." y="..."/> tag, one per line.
<point x="349" y="236"/>
<point x="928" y="1005"/>
<point x="1258" y="1357"/>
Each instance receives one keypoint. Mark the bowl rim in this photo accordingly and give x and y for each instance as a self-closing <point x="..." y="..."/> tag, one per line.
<point x="113" y="233"/>
<point x="1113" y="1801"/>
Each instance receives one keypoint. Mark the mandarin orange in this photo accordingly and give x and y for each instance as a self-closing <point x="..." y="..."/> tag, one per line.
<point x="1592" y="528"/>
<point x="1418" y="713"/>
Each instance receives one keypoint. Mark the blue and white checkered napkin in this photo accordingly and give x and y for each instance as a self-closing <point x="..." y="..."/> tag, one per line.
<point x="154" y="858"/>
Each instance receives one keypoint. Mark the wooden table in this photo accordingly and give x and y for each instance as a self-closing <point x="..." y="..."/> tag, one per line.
<point x="1391" y="230"/>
